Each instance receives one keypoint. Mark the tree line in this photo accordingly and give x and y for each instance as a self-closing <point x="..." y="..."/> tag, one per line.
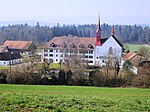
<point x="40" y="34"/>
<point x="96" y="76"/>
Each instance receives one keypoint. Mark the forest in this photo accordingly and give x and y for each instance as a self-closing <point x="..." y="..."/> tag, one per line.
<point x="40" y="34"/>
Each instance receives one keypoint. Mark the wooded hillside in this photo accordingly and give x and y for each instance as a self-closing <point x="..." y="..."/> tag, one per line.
<point x="40" y="34"/>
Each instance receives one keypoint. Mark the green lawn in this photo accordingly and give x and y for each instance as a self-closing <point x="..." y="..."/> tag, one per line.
<point x="36" y="98"/>
<point x="52" y="65"/>
<point x="135" y="47"/>
<point x="4" y="67"/>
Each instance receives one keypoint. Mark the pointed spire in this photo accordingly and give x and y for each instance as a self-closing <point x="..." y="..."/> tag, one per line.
<point x="98" y="27"/>
<point x="113" y="30"/>
<point x="98" y="34"/>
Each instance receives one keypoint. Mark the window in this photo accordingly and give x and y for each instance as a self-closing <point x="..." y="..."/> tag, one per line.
<point x="90" y="61"/>
<point x="80" y="51"/>
<point x="56" y="55"/>
<point x="90" y="46"/>
<point x="75" y="51"/>
<point x="90" y="52"/>
<point x="102" y="61"/>
<point x="86" y="56"/>
<point x="4" y="62"/>
<point x="86" y="52"/>
<point x="45" y="50"/>
<point x="61" y="55"/>
<point x="52" y="45"/>
<point x="97" y="57"/>
<point x="64" y="45"/>
<point x="56" y="59"/>
<point x="81" y="46"/>
<point x="56" y="50"/>
<point x="50" y="55"/>
<point x="90" y="56"/>
<point x="72" y="45"/>
<point x="51" y="50"/>
<point x="61" y="51"/>
<point x="45" y="54"/>
<point x="67" y="51"/>
<point x="110" y="51"/>
<point x="71" y="51"/>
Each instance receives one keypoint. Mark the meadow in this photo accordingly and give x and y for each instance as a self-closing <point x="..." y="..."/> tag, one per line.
<point x="38" y="98"/>
<point x="136" y="47"/>
<point x="4" y="67"/>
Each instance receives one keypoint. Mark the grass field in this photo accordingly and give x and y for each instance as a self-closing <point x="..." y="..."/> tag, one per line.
<point x="4" y="67"/>
<point x="73" y="99"/>
<point x="135" y="47"/>
<point x="52" y="65"/>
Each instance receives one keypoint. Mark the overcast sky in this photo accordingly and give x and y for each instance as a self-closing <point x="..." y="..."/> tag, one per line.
<point x="77" y="11"/>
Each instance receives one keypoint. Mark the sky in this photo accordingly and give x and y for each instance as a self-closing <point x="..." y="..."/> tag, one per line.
<point x="77" y="11"/>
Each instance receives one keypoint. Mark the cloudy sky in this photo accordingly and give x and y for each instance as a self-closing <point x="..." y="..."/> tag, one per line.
<point x="77" y="11"/>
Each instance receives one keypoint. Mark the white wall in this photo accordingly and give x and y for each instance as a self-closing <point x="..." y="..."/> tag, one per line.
<point x="57" y="56"/>
<point x="4" y="63"/>
<point x="101" y="52"/>
<point x="111" y="42"/>
<point x="13" y="62"/>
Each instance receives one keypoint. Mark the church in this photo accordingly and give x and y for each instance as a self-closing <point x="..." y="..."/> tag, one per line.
<point x="93" y="50"/>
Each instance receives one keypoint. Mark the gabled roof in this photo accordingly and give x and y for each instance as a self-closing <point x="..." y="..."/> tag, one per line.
<point x="129" y="56"/>
<point x="117" y="40"/>
<point x="23" y="45"/>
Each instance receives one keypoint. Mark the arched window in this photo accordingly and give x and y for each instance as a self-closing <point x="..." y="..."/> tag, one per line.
<point x="81" y="46"/>
<point x="52" y="45"/>
<point x="64" y="45"/>
<point x="110" y="50"/>
<point x="90" y="46"/>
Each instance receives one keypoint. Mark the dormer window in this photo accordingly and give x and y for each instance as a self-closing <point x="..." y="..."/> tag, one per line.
<point x="81" y="46"/>
<point x="90" y="46"/>
<point x="64" y="45"/>
<point x="72" y="45"/>
<point x="52" y="45"/>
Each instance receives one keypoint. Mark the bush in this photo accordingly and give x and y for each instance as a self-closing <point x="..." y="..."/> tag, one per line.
<point x="2" y="78"/>
<point x="141" y="81"/>
<point x="23" y="75"/>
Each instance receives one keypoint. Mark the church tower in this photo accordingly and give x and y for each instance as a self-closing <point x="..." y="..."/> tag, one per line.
<point x="98" y="34"/>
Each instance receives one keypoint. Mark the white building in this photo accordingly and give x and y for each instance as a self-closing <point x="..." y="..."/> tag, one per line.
<point x="94" y="50"/>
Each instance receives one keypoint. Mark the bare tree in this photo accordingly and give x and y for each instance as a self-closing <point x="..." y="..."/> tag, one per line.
<point x="113" y="62"/>
<point x="74" y="56"/>
<point x="70" y="51"/>
<point x="144" y="51"/>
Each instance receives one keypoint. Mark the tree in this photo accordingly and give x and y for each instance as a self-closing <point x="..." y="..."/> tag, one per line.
<point x="144" y="51"/>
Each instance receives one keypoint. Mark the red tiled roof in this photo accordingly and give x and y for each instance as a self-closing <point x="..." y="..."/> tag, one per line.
<point x="129" y="56"/>
<point x="58" y="41"/>
<point x="23" y="45"/>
